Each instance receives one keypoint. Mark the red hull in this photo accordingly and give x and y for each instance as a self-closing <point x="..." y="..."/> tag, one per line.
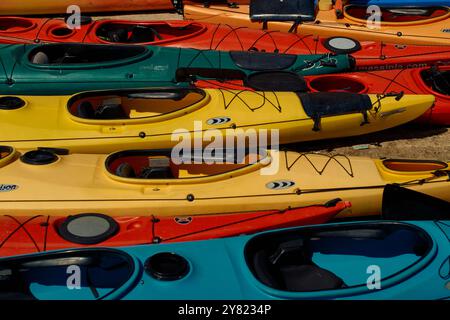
<point x="22" y="235"/>
<point x="371" y="56"/>
<point x="408" y="81"/>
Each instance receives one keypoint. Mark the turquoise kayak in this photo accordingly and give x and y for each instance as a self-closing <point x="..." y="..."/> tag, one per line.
<point x="57" y="69"/>
<point x="376" y="260"/>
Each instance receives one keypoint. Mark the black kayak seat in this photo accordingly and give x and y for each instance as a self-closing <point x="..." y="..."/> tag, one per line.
<point x="110" y="111"/>
<point x="85" y="110"/>
<point x="118" y="35"/>
<point x="125" y="170"/>
<point x="286" y="10"/>
<point x="438" y="80"/>
<point x="262" y="61"/>
<point x="303" y="277"/>
<point x="156" y="173"/>
<point x="327" y="104"/>
<point x="307" y="278"/>
<point x="141" y="34"/>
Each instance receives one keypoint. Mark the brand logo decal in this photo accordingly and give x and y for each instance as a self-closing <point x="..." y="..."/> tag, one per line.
<point x="280" y="184"/>
<point x="218" y="120"/>
<point x="8" y="187"/>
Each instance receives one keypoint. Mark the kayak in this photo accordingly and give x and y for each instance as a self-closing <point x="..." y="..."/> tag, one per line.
<point x="376" y="260"/>
<point x="404" y="204"/>
<point x="23" y="235"/>
<point x="107" y="121"/>
<point x="186" y="181"/>
<point x="55" y="69"/>
<point x="207" y="36"/>
<point x="407" y="3"/>
<point x="36" y="7"/>
<point x="434" y="80"/>
<point x="418" y="26"/>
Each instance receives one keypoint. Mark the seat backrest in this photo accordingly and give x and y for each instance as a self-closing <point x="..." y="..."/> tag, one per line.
<point x="125" y="170"/>
<point x="110" y="111"/>
<point x="85" y="110"/>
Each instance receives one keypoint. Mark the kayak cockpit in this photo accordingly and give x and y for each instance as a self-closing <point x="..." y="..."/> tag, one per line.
<point x="14" y="24"/>
<point x="7" y="154"/>
<point x="96" y="273"/>
<point x="144" y="33"/>
<point x="414" y="165"/>
<point x="76" y="54"/>
<point x="167" y="166"/>
<point x="335" y="257"/>
<point x="148" y="104"/>
<point x="437" y="80"/>
<point x="341" y="83"/>
<point x="396" y="15"/>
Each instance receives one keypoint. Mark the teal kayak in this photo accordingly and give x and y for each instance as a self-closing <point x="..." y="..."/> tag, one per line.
<point x="56" y="69"/>
<point x="376" y="260"/>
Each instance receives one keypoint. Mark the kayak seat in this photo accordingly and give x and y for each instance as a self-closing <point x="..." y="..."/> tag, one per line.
<point x="310" y="278"/>
<point x="438" y="80"/>
<point x="110" y="111"/>
<point x="156" y="173"/>
<point x="327" y="104"/>
<point x="119" y="35"/>
<point x="158" y="168"/>
<point x="40" y="58"/>
<point x="262" y="61"/>
<point x="125" y="170"/>
<point x="287" y="10"/>
<point x="85" y="110"/>
<point x="141" y="34"/>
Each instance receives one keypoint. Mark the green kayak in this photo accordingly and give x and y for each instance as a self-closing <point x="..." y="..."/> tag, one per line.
<point x="56" y="69"/>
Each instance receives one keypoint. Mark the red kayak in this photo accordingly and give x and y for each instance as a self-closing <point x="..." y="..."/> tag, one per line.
<point x="369" y="55"/>
<point x="427" y="80"/>
<point x="22" y="235"/>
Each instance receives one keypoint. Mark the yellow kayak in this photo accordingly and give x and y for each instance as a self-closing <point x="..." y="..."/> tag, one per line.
<point x="107" y="121"/>
<point x="168" y="183"/>
<point x="419" y="26"/>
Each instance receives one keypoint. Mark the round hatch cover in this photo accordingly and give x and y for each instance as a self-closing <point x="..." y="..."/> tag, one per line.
<point x="88" y="228"/>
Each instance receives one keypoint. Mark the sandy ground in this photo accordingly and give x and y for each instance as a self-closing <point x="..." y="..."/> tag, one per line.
<point x="408" y="141"/>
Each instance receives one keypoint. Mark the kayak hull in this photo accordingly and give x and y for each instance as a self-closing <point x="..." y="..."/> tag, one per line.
<point x="35" y="7"/>
<point x="236" y="265"/>
<point x="232" y="113"/>
<point x="429" y="32"/>
<point x="91" y="184"/>
<point x="206" y="36"/>
<point x="25" y="235"/>
<point x="51" y="69"/>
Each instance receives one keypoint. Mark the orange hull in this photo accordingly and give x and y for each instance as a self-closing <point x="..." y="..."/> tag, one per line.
<point x="22" y="235"/>
<point x="35" y="7"/>
<point x="432" y="31"/>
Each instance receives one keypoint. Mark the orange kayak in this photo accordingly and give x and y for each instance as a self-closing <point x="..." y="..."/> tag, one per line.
<point x="36" y="7"/>
<point x="369" y="55"/>
<point x="328" y="19"/>
<point x="22" y="235"/>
